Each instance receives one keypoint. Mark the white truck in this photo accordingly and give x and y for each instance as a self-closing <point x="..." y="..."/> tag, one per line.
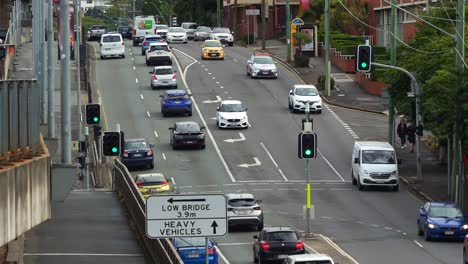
<point x="142" y="26"/>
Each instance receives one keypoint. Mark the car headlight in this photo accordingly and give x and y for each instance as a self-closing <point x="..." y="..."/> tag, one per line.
<point x="366" y="172"/>
<point x="465" y="227"/>
<point x="222" y="118"/>
<point x="274" y="70"/>
<point x="431" y="226"/>
<point x="394" y="173"/>
<point x="178" y="137"/>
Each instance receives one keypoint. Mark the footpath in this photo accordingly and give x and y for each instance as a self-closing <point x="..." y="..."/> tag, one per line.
<point x="89" y="226"/>
<point x="348" y="94"/>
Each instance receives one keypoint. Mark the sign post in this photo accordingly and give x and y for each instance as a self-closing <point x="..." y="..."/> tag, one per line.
<point x="295" y="23"/>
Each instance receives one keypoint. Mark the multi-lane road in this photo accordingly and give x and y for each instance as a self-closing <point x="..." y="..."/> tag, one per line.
<point x="373" y="226"/>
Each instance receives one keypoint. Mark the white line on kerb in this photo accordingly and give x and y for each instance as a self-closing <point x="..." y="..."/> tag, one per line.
<point x="331" y="166"/>
<point x="222" y="256"/>
<point x="417" y="243"/>
<point x="136" y="80"/>
<point x="83" y="254"/>
<point x="235" y="244"/>
<point x="156" y="134"/>
<point x="141" y="96"/>
<point x="148" y="114"/>
<point x="310" y="249"/>
<point x="134" y="68"/>
<point x="164" y="156"/>
<point x="273" y="160"/>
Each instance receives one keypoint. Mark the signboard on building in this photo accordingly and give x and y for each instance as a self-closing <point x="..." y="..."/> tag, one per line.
<point x="252" y="12"/>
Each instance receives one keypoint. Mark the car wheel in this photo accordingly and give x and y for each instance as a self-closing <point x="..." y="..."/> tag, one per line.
<point x="420" y="232"/>
<point x="189" y="113"/>
<point x="175" y="87"/>
<point x="289" y="105"/>
<point x="134" y="44"/>
<point x="203" y="146"/>
<point x="360" y="186"/>
<point x="152" y="165"/>
<point x="174" y="147"/>
<point x="123" y="56"/>
<point x="396" y="188"/>
<point x="147" y="63"/>
<point x="260" y="227"/>
<point x="319" y="111"/>
<point x="231" y="44"/>
<point x="427" y="237"/>
<point x="152" y="87"/>
<point x="185" y="42"/>
<point x="143" y="52"/>
<point x="102" y="57"/>
<point x="353" y="179"/>
<point x="248" y="74"/>
<point x="164" y="114"/>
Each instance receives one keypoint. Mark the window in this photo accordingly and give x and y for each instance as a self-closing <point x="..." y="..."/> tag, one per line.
<point x="231" y="108"/>
<point x="263" y="60"/>
<point x="203" y="29"/>
<point x="306" y="91"/>
<point x="221" y="30"/>
<point x="176" y="30"/>
<point x="161" y="27"/>
<point x="108" y="39"/>
<point x="241" y="202"/>
<point x="163" y="71"/>
<point x="281" y="236"/>
<point x="153" y="179"/>
<point x="133" y="145"/>
<point x="188" y="128"/>
<point x="378" y="157"/>
<point x="159" y="47"/>
<point x="215" y="44"/>
<point x="445" y="212"/>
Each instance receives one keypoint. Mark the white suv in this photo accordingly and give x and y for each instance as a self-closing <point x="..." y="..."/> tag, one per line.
<point x="223" y="34"/>
<point x="303" y="93"/>
<point x="112" y="45"/>
<point x="231" y="114"/>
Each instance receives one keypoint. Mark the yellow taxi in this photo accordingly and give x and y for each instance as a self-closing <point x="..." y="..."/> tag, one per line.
<point x="212" y="49"/>
<point x="152" y="183"/>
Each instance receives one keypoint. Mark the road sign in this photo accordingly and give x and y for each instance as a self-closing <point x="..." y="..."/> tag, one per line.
<point x="186" y="215"/>
<point x="252" y="12"/>
<point x="297" y="21"/>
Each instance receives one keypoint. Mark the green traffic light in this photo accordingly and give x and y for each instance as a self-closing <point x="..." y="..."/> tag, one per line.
<point x="114" y="150"/>
<point x="308" y="152"/>
<point x="96" y="119"/>
<point x="363" y="65"/>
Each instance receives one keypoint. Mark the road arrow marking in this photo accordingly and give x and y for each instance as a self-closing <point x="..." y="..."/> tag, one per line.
<point x="232" y="140"/>
<point x="257" y="163"/>
<point x="218" y="99"/>
<point x="172" y="200"/>
<point x="214" y="225"/>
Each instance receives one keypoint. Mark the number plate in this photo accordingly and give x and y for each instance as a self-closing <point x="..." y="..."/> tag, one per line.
<point x="213" y="54"/>
<point x="282" y="256"/>
<point x="189" y="142"/>
<point x="177" y="102"/>
<point x="137" y="155"/>
<point x="153" y="190"/>
<point x="108" y="48"/>
<point x="265" y="73"/>
<point x="449" y="232"/>
<point x="193" y="255"/>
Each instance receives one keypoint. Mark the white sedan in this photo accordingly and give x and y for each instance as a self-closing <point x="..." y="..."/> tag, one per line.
<point x="231" y="114"/>
<point x="176" y="34"/>
<point x="301" y="94"/>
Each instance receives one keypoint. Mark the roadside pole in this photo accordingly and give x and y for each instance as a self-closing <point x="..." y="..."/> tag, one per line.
<point x="65" y="81"/>
<point x="87" y="160"/>
<point x="288" y="31"/>
<point x="43" y="75"/>
<point x="264" y="10"/>
<point x="391" y="110"/>
<point x="78" y="70"/>
<point x="207" y="258"/>
<point x="327" y="48"/>
<point x="308" y="128"/>
<point x="50" y="71"/>
<point x="218" y="13"/>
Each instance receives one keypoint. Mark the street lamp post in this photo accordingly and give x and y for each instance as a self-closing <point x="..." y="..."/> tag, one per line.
<point x="157" y="10"/>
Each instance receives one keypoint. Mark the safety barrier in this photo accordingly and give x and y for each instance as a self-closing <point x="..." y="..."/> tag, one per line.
<point x="161" y="251"/>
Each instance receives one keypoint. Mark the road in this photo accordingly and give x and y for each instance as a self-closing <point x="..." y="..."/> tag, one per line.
<point x="375" y="226"/>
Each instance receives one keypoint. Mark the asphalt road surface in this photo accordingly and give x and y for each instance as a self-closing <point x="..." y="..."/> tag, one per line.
<point x="374" y="226"/>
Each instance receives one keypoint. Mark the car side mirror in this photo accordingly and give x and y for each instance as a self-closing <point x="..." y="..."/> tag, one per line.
<point x="232" y="32"/>
<point x="259" y="201"/>
<point x="151" y="145"/>
<point x="255" y="236"/>
<point x="171" y="128"/>
<point x="150" y="72"/>
<point x="161" y="95"/>
<point x="224" y="46"/>
<point x="217" y="108"/>
<point x="276" y="62"/>
<point x="245" y="109"/>
<point x="422" y="213"/>
<point x="465" y="215"/>
<point x="202" y="127"/>
<point x="291" y="92"/>
<point x="399" y="161"/>
<point x="356" y="160"/>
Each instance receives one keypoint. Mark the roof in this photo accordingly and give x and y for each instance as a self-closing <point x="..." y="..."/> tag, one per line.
<point x="153" y="174"/>
<point x="134" y="139"/>
<point x="163" y="67"/>
<point x="310" y="257"/>
<point x="443" y="204"/>
<point x="176" y="92"/>
<point x="304" y="86"/>
<point x="261" y="54"/>
<point x="278" y="228"/>
<point x="153" y="36"/>
<point x="374" y="144"/>
<point x="240" y="195"/>
<point x="231" y="102"/>
<point x="186" y="123"/>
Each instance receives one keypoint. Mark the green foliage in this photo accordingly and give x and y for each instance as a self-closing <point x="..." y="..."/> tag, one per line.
<point x="321" y="83"/>
<point x="301" y="60"/>
<point x="202" y="12"/>
<point x="301" y="38"/>
<point x="89" y="21"/>
<point x="341" y="19"/>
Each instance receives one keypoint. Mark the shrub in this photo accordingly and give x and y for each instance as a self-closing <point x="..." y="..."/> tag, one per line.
<point x="321" y="83"/>
<point x="301" y="60"/>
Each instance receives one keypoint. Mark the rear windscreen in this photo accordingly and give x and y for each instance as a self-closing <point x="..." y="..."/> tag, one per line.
<point x="163" y="71"/>
<point x="281" y="236"/>
<point x="153" y="39"/>
<point x="111" y="39"/>
<point x="242" y="202"/>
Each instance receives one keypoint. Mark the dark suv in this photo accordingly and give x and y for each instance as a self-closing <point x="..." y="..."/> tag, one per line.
<point x="274" y="244"/>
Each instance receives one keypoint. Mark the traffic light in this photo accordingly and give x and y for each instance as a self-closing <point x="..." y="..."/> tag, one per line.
<point x="93" y="114"/>
<point x="364" y="58"/>
<point x="111" y="143"/>
<point x="307" y="145"/>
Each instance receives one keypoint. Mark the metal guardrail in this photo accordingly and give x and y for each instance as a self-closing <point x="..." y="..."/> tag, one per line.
<point x="161" y="251"/>
<point x="19" y="119"/>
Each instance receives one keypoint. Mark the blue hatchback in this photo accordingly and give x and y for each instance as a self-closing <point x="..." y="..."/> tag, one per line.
<point x="441" y="220"/>
<point x="176" y="102"/>
<point x="148" y="40"/>
<point x="192" y="250"/>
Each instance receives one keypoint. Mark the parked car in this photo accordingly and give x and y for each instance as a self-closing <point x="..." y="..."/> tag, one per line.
<point x="138" y="152"/>
<point x="152" y="183"/>
<point x="163" y="76"/>
<point x="158" y="53"/>
<point x="192" y="250"/>
<point x="126" y="32"/>
<point x="244" y="209"/>
<point x="176" y="34"/>
<point x="309" y="259"/>
<point x="275" y="244"/>
<point x="112" y="45"/>
<point x="442" y="220"/>
<point x="223" y="34"/>
<point x="176" y="102"/>
<point x="231" y="114"/>
<point x="303" y="93"/>
<point x="260" y="65"/>
<point x="189" y="28"/>
<point x="188" y="133"/>
<point x="148" y="40"/>
<point x="202" y="33"/>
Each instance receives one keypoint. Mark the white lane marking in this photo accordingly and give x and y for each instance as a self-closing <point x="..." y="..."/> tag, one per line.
<point x="374" y="225"/>
<point x="217" y="82"/>
<point x="288" y="189"/>
<point x="222" y="256"/>
<point x="331" y="166"/>
<point x="299" y="181"/>
<point x="344" y="253"/>
<point x="148" y="114"/>
<point x="417" y="243"/>
<point x="213" y="78"/>
<point x="222" y="87"/>
<point x="262" y="189"/>
<point x="188" y="186"/>
<point x="206" y="69"/>
<point x="326" y="217"/>
<point x="285" y="213"/>
<point x="234" y="60"/>
<point x="404" y="233"/>
<point x="136" y="80"/>
<point x="232" y="140"/>
<point x="132" y="58"/>
<point x="235" y="244"/>
<point x="134" y="68"/>
<point x="218" y="99"/>
<point x="232" y="184"/>
<point x="209" y="73"/>
<point x="156" y="134"/>
<point x="247" y="165"/>
<point x="212" y="185"/>
<point x="173" y="182"/>
<point x="141" y="96"/>
<point x="84" y="254"/>
<point x="388" y="228"/>
<point x="273" y="160"/>
<point x="343" y="189"/>
<point x="201" y="65"/>
<point x="346" y="126"/>
<point x="310" y="249"/>
<point x="164" y="156"/>
<point x="226" y="92"/>
<point x="218" y="151"/>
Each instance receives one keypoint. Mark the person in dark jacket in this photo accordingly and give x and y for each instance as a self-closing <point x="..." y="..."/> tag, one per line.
<point x="412" y="137"/>
<point x="402" y="131"/>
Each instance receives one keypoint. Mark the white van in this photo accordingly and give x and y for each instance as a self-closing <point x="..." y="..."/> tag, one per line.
<point x="142" y="26"/>
<point x="374" y="163"/>
<point x="112" y="45"/>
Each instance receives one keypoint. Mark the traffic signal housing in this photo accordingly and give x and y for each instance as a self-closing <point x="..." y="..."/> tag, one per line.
<point x="364" y="58"/>
<point x="307" y="145"/>
<point x="93" y="114"/>
<point x="111" y="143"/>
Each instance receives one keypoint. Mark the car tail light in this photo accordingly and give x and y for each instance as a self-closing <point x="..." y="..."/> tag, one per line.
<point x="139" y="184"/>
<point x="230" y="209"/>
<point x="257" y="208"/>
<point x="134" y="32"/>
<point x="264" y="245"/>
<point x="164" y="183"/>
<point x="299" y="245"/>
<point x="155" y="77"/>
<point x="155" y="31"/>
<point x="125" y="153"/>
<point x="211" y="251"/>
<point x="149" y="152"/>
<point x="145" y="42"/>
<point x="173" y="77"/>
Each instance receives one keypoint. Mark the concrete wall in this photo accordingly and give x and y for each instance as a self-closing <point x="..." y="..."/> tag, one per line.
<point x="24" y="196"/>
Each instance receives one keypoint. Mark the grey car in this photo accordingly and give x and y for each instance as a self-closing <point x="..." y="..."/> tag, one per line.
<point x="244" y="209"/>
<point x="189" y="28"/>
<point x="202" y="33"/>
<point x="163" y="76"/>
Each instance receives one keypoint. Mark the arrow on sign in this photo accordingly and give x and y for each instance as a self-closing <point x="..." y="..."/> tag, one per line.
<point x="214" y="225"/>
<point x="172" y="200"/>
<point x="232" y="140"/>
<point x="257" y="163"/>
<point x="218" y="99"/>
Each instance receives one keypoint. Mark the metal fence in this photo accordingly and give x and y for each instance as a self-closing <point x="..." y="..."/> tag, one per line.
<point x="19" y="119"/>
<point x="161" y="251"/>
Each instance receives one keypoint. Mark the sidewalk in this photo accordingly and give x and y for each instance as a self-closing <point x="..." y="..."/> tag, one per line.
<point x="349" y="94"/>
<point x="89" y="226"/>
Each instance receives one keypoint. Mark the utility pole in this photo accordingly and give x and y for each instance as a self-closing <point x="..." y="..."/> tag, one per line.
<point x="218" y="13"/>
<point x="65" y="81"/>
<point x="235" y="18"/>
<point x="327" y="48"/>
<point x="134" y="11"/>
<point x="288" y="31"/>
<point x="43" y="63"/>
<point x="78" y="69"/>
<point x="264" y="10"/>
<point x="50" y="70"/>
<point x="391" y="110"/>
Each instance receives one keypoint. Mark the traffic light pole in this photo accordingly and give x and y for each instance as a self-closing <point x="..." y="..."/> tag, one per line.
<point x="307" y="111"/>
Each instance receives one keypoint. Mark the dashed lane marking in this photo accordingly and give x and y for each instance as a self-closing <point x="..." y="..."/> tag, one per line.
<point x="273" y="160"/>
<point x="222" y="256"/>
<point x="213" y="78"/>
<point x="148" y="114"/>
<point x="156" y="134"/>
<point x="134" y="68"/>
<point x="136" y="80"/>
<point x="235" y="244"/>
<point x="417" y="243"/>
<point x="346" y="126"/>
<point x="222" y="87"/>
<point x="85" y="254"/>
<point x="142" y="97"/>
<point x="164" y="156"/>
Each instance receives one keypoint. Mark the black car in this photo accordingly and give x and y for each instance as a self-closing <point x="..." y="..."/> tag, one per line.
<point x="138" y="152"/>
<point x="274" y="244"/>
<point x="187" y="133"/>
<point x="126" y="32"/>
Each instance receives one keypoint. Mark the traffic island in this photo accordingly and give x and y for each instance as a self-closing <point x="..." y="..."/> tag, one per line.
<point x="317" y="243"/>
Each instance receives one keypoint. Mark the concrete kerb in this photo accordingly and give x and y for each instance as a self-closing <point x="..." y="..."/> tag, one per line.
<point x="420" y="193"/>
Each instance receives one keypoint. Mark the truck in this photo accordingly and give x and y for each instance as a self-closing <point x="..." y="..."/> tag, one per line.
<point x="142" y="26"/>
<point x="96" y="31"/>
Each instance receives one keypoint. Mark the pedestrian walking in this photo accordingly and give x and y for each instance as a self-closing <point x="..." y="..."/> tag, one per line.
<point x="411" y="137"/>
<point x="402" y="131"/>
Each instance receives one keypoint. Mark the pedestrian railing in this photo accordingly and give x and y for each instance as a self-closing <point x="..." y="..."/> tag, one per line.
<point x="161" y="251"/>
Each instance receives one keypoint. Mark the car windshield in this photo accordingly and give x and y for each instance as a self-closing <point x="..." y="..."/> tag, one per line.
<point x="213" y="44"/>
<point x="188" y="128"/>
<point x="445" y="212"/>
<point x="176" y="30"/>
<point x="132" y="145"/>
<point x="111" y="39"/>
<point x="164" y="71"/>
<point x="263" y="60"/>
<point x="231" y="108"/>
<point x="159" y="47"/>
<point x="161" y="27"/>
<point x="191" y="242"/>
<point x="281" y="236"/>
<point x="97" y="27"/>
<point x="177" y="96"/>
<point x="306" y="91"/>
<point x="190" y="26"/>
<point x="241" y="202"/>
<point x="221" y="30"/>
<point x="378" y="157"/>
<point x="154" y="179"/>
<point x="203" y="29"/>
